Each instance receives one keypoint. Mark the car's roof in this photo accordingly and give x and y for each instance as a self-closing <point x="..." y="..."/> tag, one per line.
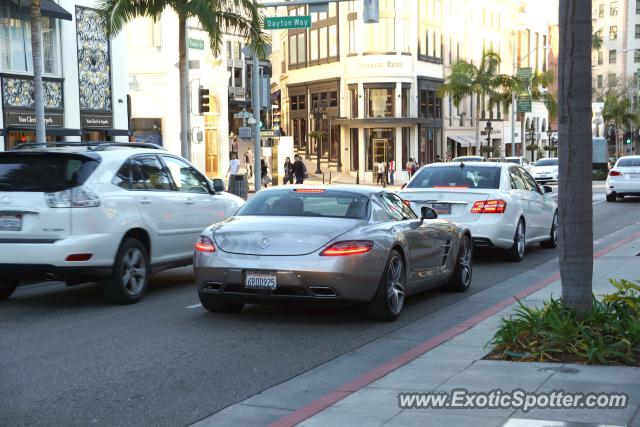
<point x="358" y="189"/>
<point x="457" y="163"/>
<point x="635" y="156"/>
<point x="105" y="149"/>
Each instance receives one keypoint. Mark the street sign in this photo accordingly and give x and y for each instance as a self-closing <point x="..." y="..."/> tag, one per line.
<point x="287" y="22"/>
<point x="196" y="44"/>
<point x="523" y="104"/>
<point x="242" y="115"/>
<point x="270" y="133"/>
<point x="524" y="73"/>
<point x="244" y="133"/>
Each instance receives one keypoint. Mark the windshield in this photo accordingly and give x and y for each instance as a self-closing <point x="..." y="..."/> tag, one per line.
<point x="512" y="160"/>
<point x="629" y="162"/>
<point x="468" y="176"/>
<point x="547" y="162"/>
<point x="303" y="202"/>
<point x="46" y="172"/>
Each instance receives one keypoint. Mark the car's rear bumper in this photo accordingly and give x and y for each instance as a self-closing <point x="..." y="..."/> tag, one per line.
<point x="299" y="278"/>
<point x="491" y="230"/>
<point x="623" y="186"/>
<point x="52" y="272"/>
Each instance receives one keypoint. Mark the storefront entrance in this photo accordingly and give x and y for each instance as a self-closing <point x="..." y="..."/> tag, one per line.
<point x="381" y="146"/>
<point x="211" y="146"/>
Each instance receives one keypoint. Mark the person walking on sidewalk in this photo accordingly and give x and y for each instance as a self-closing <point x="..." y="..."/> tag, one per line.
<point x="248" y="162"/>
<point x="392" y="170"/>
<point x="299" y="170"/>
<point x="234" y="165"/>
<point x="380" y="171"/>
<point x="409" y="167"/>
<point x="264" y="174"/>
<point x="288" y="172"/>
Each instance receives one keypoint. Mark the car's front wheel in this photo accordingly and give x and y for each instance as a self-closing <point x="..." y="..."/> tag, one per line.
<point x="388" y="302"/>
<point x="516" y="252"/>
<point x="216" y="304"/>
<point x="130" y="275"/>
<point x="553" y="234"/>
<point x="463" y="271"/>
<point x="7" y="286"/>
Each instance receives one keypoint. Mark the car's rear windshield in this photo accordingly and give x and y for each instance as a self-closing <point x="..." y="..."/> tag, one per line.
<point x="302" y="202"/>
<point x="46" y="172"/>
<point x="455" y="176"/>
<point x="516" y="160"/>
<point x="468" y="159"/>
<point x="629" y="162"/>
<point x="547" y="162"/>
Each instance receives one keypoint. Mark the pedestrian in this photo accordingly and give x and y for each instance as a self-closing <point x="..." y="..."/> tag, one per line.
<point x="248" y="162"/>
<point x="415" y="167"/>
<point x="264" y="174"/>
<point x="288" y="172"/>
<point x="235" y="145"/>
<point x="392" y="170"/>
<point x="299" y="170"/>
<point x="380" y="169"/>
<point x="234" y="165"/>
<point x="409" y="167"/>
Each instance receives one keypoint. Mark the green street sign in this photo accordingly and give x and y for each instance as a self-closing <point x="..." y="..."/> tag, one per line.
<point x="196" y="44"/>
<point x="524" y="73"/>
<point x="287" y="22"/>
<point x="523" y="104"/>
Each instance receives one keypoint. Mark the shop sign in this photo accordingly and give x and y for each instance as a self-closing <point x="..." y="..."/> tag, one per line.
<point x="28" y="119"/>
<point x="96" y="121"/>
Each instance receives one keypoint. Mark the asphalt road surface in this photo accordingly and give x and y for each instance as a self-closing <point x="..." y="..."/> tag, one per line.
<point x="69" y="358"/>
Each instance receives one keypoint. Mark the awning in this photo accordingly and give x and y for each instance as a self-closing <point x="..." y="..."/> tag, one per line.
<point x="464" y="141"/>
<point x="47" y="8"/>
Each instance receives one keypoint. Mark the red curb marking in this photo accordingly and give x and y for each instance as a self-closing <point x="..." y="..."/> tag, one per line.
<point x="380" y="371"/>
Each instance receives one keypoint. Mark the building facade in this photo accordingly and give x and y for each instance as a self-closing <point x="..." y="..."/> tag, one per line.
<point x="85" y="86"/>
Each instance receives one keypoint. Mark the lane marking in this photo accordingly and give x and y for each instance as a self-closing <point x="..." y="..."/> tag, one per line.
<point x="194" y="306"/>
<point x="380" y="371"/>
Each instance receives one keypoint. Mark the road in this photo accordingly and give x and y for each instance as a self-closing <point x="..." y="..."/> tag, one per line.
<point x="69" y="358"/>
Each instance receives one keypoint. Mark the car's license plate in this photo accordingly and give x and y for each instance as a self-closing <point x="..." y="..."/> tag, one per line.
<point x="440" y="208"/>
<point x="10" y="222"/>
<point x="634" y="176"/>
<point x="256" y="280"/>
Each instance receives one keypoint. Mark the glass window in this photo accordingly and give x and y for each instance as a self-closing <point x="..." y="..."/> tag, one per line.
<point x="601" y="10"/>
<point x="637" y="32"/>
<point x="333" y="41"/>
<point x="612" y="56"/>
<point x="333" y="99"/>
<point x="353" y="96"/>
<point x="636" y="56"/>
<point x="600" y="57"/>
<point x="637" y="7"/>
<point x="380" y="146"/>
<point x="380" y="37"/>
<point x="302" y="104"/>
<point x="612" y="79"/>
<point x="406" y="144"/>
<point x="396" y="208"/>
<point x="313" y="45"/>
<point x="599" y="81"/>
<point x="405" y="101"/>
<point x="302" y="48"/>
<point x="324" y="52"/>
<point x="613" y="8"/>
<point x="129" y="176"/>
<point x="185" y="177"/>
<point x="613" y="32"/>
<point x="529" y="181"/>
<point x="46" y="172"/>
<point x="380" y="102"/>
<point x="517" y="183"/>
<point x="352" y="35"/>
<point x="154" y="176"/>
<point x="430" y="29"/>
<point x="354" y="149"/>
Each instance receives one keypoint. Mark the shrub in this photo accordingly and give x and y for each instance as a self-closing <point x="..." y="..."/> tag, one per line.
<point x="599" y="175"/>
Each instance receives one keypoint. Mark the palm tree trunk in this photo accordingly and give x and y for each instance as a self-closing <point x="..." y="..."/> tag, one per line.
<point x="478" y="145"/>
<point x="575" y="212"/>
<point x="522" y="138"/>
<point x="183" y="67"/>
<point x="36" y="55"/>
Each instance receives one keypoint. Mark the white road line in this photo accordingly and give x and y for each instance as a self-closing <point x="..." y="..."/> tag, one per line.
<point x="194" y="306"/>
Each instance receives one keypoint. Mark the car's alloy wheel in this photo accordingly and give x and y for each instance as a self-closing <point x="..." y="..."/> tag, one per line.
<point x="553" y="234"/>
<point x="130" y="274"/>
<point x="7" y="287"/>
<point x="395" y="285"/>
<point x="516" y="252"/>
<point x="388" y="302"/>
<point x="463" y="270"/>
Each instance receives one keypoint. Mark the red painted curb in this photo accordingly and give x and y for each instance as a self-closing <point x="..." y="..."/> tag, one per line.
<point x="380" y="371"/>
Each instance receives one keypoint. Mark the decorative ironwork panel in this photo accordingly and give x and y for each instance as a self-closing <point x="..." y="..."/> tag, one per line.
<point x="18" y="92"/>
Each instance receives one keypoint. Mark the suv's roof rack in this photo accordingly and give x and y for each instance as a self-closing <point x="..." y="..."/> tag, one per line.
<point x="91" y="145"/>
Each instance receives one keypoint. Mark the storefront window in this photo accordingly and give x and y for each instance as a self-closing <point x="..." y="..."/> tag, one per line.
<point x="15" y="41"/>
<point x="353" y="96"/>
<point x="334" y="146"/>
<point x="380" y="146"/>
<point x="406" y="146"/>
<point x="405" y="101"/>
<point x="380" y="102"/>
<point x="430" y="104"/>
<point x="354" y="149"/>
<point x="429" y="138"/>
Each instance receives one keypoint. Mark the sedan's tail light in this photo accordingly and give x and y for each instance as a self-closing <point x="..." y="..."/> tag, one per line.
<point x="77" y="197"/>
<point x="205" y="244"/>
<point x="615" y="173"/>
<point x="489" y="206"/>
<point x="350" y="247"/>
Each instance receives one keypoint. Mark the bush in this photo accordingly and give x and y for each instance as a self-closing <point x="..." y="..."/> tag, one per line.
<point x="599" y="175"/>
<point x="608" y="334"/>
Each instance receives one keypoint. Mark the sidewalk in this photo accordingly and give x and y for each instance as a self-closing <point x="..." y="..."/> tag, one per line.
<point x="443" y="351"/>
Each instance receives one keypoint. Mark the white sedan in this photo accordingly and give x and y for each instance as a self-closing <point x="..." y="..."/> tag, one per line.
<point x="545" y="170"/>
<point x="500" y="203"/>
<point x="624" y="178"/>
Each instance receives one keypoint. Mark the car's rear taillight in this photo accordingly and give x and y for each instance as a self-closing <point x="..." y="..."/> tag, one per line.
<point x="615" y="173"/>
<point x="205" y="244"/>
<point x="489" y="206"/>
<point x="350" y="247"/>
<point x="77" y="197"/>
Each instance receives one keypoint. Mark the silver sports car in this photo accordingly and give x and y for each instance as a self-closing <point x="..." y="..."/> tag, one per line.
<point x="351" y="244"/>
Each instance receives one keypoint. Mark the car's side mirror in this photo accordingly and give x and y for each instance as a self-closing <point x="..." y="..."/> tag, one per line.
<point x="428" y="213"/>
<point x="218" y="185"/>
<point x="547" y="189"/>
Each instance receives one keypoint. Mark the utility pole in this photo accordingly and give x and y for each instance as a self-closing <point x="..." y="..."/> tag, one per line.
<point x="255" y="102"/>
<point x="513" y="108"/>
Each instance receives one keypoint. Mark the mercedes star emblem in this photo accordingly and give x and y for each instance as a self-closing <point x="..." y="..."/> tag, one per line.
<point x="264" y="243"/>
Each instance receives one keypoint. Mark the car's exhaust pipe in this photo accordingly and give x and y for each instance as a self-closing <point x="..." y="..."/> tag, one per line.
<point x="50" y="277"/>
<point x="212" y="287"/>
<point x="322" y="291"/>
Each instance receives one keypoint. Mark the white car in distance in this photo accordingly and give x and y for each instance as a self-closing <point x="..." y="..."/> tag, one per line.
<point x="500" y="203"/>
<point x="624" y="178"/>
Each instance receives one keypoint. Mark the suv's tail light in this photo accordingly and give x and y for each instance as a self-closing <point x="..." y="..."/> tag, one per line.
<point x="205" y="244"/>
<point x="615" y="173"/>
<point x="489" y="206"/>
<point x="77" y="197"/>
<point x="350" y="247"/>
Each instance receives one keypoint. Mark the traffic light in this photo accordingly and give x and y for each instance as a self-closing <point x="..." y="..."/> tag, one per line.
<point x="628" y="140"/>
<point x="203" y="100"/>
<point x="371" y="11"/>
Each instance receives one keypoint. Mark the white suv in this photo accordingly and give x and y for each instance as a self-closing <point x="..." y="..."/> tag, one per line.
<point x="110" y="212"/>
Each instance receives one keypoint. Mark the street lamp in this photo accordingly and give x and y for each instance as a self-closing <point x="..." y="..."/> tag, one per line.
<point x="488" y="128"/>
<point x="318" y="114"/>
<point x="549" y="140"/>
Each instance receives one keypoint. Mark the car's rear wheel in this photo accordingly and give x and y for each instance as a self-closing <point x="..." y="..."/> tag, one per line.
<point x="553" y="236"/>
<point x="611" y="197"/>
<point x="388" y="302"/>
<point x="7" y="286"/>
<point x="516" y="252"/>
<point x="130" y="275"/>
<point x="216" y="304"/>
<point x="463" y="271"/>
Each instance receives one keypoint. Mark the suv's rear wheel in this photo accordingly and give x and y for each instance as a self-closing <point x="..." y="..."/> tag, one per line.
<point x="130" y="275"/>
<point x="7" y="286"/>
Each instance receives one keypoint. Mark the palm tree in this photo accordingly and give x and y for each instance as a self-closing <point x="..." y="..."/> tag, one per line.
<point x="467" y="79"/>
<point x="596" y="40"/>
<point x="575" y="210"/>
<point x="36" y="56"/>
<point x="217" y="17"/>
<point x="617" y="112"/>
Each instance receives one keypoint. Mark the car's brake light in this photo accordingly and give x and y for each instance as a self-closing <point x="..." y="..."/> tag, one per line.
<point x="204" y="244"/>
<point x="350" y="247"/>
<point x="79" y="257"/>
<point x="77" y="197"/>
<point x="309" y="190"/>
<point x="489" y="206"/>
<point x="615" y="173"/>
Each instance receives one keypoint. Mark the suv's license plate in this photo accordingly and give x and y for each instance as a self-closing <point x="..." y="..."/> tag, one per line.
<point x="254" y="280"/>
<point x="10" y="222"/>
